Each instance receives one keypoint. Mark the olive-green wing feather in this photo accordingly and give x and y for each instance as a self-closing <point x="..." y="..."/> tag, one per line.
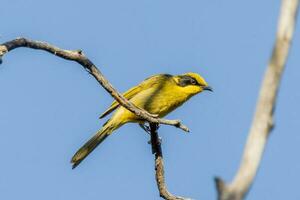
<point x="128" y="95"/>
<point x="146" y="84"/>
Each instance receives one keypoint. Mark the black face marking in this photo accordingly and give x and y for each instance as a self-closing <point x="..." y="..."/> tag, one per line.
<point x="187" y="80"/>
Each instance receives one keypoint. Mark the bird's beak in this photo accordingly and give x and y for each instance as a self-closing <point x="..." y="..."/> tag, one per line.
<point x="208" y="88"/>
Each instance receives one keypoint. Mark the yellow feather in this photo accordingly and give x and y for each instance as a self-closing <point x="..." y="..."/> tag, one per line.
<point x="147" y="83"/>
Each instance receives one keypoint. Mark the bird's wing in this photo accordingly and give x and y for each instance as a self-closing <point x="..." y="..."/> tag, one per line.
<point x="128" y="95"/>
<point x="146" y="84"/>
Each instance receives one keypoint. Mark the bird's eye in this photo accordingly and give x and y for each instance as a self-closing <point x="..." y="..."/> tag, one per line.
<point x="193" y="82"/>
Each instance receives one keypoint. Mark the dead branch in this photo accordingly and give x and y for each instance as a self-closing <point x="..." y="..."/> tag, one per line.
<point x="159" y="165"/>
<point x="263" y="118"/>
<point x="79" y="57"/>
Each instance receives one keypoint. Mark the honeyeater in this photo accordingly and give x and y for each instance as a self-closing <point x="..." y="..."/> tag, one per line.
<point x="159" y="94"/>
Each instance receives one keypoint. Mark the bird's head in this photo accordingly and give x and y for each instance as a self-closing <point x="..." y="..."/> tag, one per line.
<point x="192" y="83"/>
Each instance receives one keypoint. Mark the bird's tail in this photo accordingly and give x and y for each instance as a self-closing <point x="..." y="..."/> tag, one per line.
<point x="90" y="145"/>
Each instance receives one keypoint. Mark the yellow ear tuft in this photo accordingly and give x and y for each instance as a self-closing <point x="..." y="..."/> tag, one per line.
<point x="176" y="79"/>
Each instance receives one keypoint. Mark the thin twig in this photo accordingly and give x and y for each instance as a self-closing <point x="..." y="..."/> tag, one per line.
<point x="79" y="57"/>
<point x="263" y="118"/>
<point x="159" y="165"/>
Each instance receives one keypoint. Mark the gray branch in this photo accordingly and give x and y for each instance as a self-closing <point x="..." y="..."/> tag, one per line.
<point x="80" y="58"/>
<point x="263" y="118"/>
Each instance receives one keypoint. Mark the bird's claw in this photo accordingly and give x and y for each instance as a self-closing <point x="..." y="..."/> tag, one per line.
<point x="145" y="128"/>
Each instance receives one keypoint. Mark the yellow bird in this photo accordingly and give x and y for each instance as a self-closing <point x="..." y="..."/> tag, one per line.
<point x="159" y="94"/>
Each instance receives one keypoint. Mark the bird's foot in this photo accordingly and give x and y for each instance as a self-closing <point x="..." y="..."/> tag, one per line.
<point x="147" y="129"/>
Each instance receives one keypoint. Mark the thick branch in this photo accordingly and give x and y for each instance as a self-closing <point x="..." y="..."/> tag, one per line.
<point x="159" y="165"/>
<point x="263" y="118"/>
<point x="80" y="58"/>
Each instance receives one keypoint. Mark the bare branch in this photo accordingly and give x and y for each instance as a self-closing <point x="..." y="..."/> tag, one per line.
<point x="79" y="57"/>
<point x="159" y="165"/>
<point x="263" y="118"/>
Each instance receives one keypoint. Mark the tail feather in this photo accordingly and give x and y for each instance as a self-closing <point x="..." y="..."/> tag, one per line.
<point x="90" y="145"/>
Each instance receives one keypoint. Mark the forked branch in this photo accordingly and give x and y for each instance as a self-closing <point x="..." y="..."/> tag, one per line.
<point x="263" y="118"/>
<point x="79" y="57"/>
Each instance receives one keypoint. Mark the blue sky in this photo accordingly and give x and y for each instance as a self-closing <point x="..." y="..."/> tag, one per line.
<point x="50" y="107"/>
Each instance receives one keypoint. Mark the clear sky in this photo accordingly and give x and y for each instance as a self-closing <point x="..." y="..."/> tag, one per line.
<point x="50" y="106"/>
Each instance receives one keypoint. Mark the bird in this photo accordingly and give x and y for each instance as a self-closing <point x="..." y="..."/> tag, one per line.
<point x="159" y="94"/>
